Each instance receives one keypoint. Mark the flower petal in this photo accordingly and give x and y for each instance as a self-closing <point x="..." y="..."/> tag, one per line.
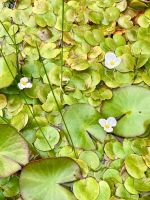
<point x="24" y="79"/>
<point x="110" y="56"/>
<point x="28" y="85"/>
<point x="117" y="62"/>
<point x="102" y="122"/>
<point x="21" y="87"/>
<point x="112" y="121"/>
<point x="109" y="130"/>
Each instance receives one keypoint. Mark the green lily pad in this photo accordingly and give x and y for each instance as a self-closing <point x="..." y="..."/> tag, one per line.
<point x="135" y="166"/>
<point x="13" y="151"/>
<point x="128" y="105"/>
<point x="50" y="176"/>
<point x="52" y="136"/>
<point x="5" y="75"/>
<point x="86" y="189"/>
<point x="83" y="124"/>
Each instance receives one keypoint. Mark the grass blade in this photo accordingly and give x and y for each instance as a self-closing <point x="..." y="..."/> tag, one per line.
<point x="51" y="88"/>
<point x="24" y="97"/>
<point x="62" y="47"/>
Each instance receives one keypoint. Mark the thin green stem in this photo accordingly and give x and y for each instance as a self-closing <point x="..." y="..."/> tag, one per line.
<point x="24" y="97"/>
<point x="17" y="60"/>
<point x="62" y="46"/>
<point x="7" y="31"/>
<point x="57" y="104"/>
<point x="17" y="52"/>
<point x="5" y="120"/>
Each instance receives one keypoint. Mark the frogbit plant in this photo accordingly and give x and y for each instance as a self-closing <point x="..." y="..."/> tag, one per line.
<point x="74" y="100"/>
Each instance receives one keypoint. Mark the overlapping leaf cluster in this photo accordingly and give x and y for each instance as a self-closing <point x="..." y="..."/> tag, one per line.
<point x="83" y="162"/>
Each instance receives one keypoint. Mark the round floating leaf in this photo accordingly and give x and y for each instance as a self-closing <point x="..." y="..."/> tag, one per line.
<point x="20" y="120"/>
<point x="90" y="158"/>
<point x="143" y="21"/>
<point x="5" y="75"/>
<point x="127" y="63"/>
<point x="86" y="189"/>
<point x="24" y="4"/>
<point x="125" y="21"/>
<point x="79" y="66"/>
<point x="112" y="14"/>
<point x="129" y="185"/>
<point x="95" y="17"/>
<point x="132" y="110"/>
<point x="105" y="192"/>
<point x="118" y="150"/>
<point x="93" y="37"/>
<point x="83" y="124"/>
<point x="108" y="148"/>
<point x="141" y="47"/>
<point x="135" y="166"/>
<point x="112" y="175"/>
<point x="52" y="136"/>
<point x="13" y="151"/>
<point x="40" y="6"/>
<point x="122" y="192"/>
<point x="136" y="4"/>
<point x="45" y="179"/>
<point x="11" y="189"/>
<point x="142" y="185"/>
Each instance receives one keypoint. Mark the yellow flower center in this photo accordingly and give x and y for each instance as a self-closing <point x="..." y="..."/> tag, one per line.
<point x="107" y="126"/>
<point x="112" y="62"/>
<point x="24" y="83"/>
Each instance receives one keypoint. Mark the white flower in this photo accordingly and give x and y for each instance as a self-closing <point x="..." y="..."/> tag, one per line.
<point x="24" y="83"/>
<point x="111" y="60"/>
<point x="108" y="124"/>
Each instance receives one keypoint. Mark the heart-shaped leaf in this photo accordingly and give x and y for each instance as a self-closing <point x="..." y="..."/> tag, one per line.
<point x="45" y="179"/>
<point x="86" y="189"/>
<point x="52" y="136"/>
<point x="105" y="192"/>
<point x="131" y="106"/>
<point x="82" y="122"/>
<point x="135" y="166"/>
<point x="13" y="151"/>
